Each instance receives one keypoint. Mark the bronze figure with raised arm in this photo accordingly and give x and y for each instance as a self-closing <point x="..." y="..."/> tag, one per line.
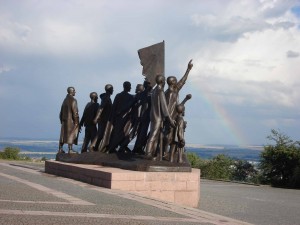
<point x="172" y="96"/>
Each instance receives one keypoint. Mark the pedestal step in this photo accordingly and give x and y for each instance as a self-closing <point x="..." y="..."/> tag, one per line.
<point x="178" y="187"/>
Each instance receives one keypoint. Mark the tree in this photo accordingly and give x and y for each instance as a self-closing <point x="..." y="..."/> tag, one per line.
<point x="219" y="167"/>
<point x="244" y="171"/>
<point x="280" y="163"/>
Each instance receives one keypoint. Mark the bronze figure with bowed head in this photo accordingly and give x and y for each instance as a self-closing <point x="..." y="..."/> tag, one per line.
<point x="69" y="119"/>
<point x="144" y="119"/>
<point x="120" y="117"/>
<point x="87" y="120"/>
<point x="134" y="120"/>
<point x="102" y="116"/>
<point x="159" y="113"/>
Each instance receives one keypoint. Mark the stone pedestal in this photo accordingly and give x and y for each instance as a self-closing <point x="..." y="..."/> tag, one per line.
<point x="178" y="187"/>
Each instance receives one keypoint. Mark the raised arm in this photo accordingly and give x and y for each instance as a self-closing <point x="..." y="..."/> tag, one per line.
<point x="187" y="97"/>
<point x="182" y="81"/>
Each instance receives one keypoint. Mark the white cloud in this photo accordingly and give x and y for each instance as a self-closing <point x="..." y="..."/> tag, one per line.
<point x="48" y="37"/>
<point x="13" y="33"/>
<point x="63" y="38"/>
<point x="252" y="66"/>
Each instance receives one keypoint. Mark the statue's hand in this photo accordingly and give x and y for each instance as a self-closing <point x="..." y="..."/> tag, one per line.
<point x="181" y="143"/>
<point x="184" y="125"/>
<point x="173" y="123"/>
<point x="190" y="65"/>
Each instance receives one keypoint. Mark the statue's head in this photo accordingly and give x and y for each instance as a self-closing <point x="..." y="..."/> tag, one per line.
<point x="139" y="88"/>
<point x="147" y="84"/>
<point x="94" y="96"/>
<point x="127" y="86"/>
<point x="171" y="80"/>
<point x="180" y="109"/>
<point x="71" y="91"/>
<point x="160" y="80"/>
<point x="109" y="89"/>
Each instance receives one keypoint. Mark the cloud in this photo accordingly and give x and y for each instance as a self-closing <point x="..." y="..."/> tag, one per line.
<point x="284" y="25"/>
<point x="13" y="33"/>
<point x="229" y="24"/>
<point x="242" y="67"/>
<point x="241" y="52"/>
<point x="228" y="29"/>
<point x="292" y="54"/>
<point x="275" y="9"/>
<point x="47" y="37"/>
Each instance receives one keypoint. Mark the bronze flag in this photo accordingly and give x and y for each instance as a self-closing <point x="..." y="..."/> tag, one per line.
<point x="153" y="61"/>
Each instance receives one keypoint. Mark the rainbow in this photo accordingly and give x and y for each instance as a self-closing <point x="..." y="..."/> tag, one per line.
<point x="227" y="121"/>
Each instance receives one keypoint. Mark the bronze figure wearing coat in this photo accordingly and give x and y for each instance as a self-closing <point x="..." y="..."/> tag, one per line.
<point x="142" y="130"/>
<point x="103" y="115"/>
<point x="69" y="118"/>
<point x="120" y="117"/>
<point x="159" y="113"/>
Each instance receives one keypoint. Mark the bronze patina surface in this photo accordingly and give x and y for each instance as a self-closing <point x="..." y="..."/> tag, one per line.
<point x="153" y="115"/>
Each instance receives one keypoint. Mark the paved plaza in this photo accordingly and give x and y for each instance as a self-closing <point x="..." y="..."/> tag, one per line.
<point x="263" y="205"/>
<point x="30" y="196"/>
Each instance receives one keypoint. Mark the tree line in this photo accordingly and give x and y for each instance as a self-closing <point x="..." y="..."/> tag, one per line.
<point x="279" y="164"/>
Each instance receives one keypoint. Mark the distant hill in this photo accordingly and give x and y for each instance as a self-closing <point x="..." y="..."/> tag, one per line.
<point x="250" y="153"/>
<point x="48" y="149"/>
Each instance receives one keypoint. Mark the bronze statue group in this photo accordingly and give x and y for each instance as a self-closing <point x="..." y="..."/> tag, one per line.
<point x="111" y="126"/>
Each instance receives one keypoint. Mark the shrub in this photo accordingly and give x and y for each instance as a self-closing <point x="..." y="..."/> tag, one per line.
<point x="11" y="153"/>
<point x="193" y="159"/>
<point x="225" y="168"/>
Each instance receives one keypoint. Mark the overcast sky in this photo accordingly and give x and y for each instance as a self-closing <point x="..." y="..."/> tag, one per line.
<point x="246" y="56"/>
